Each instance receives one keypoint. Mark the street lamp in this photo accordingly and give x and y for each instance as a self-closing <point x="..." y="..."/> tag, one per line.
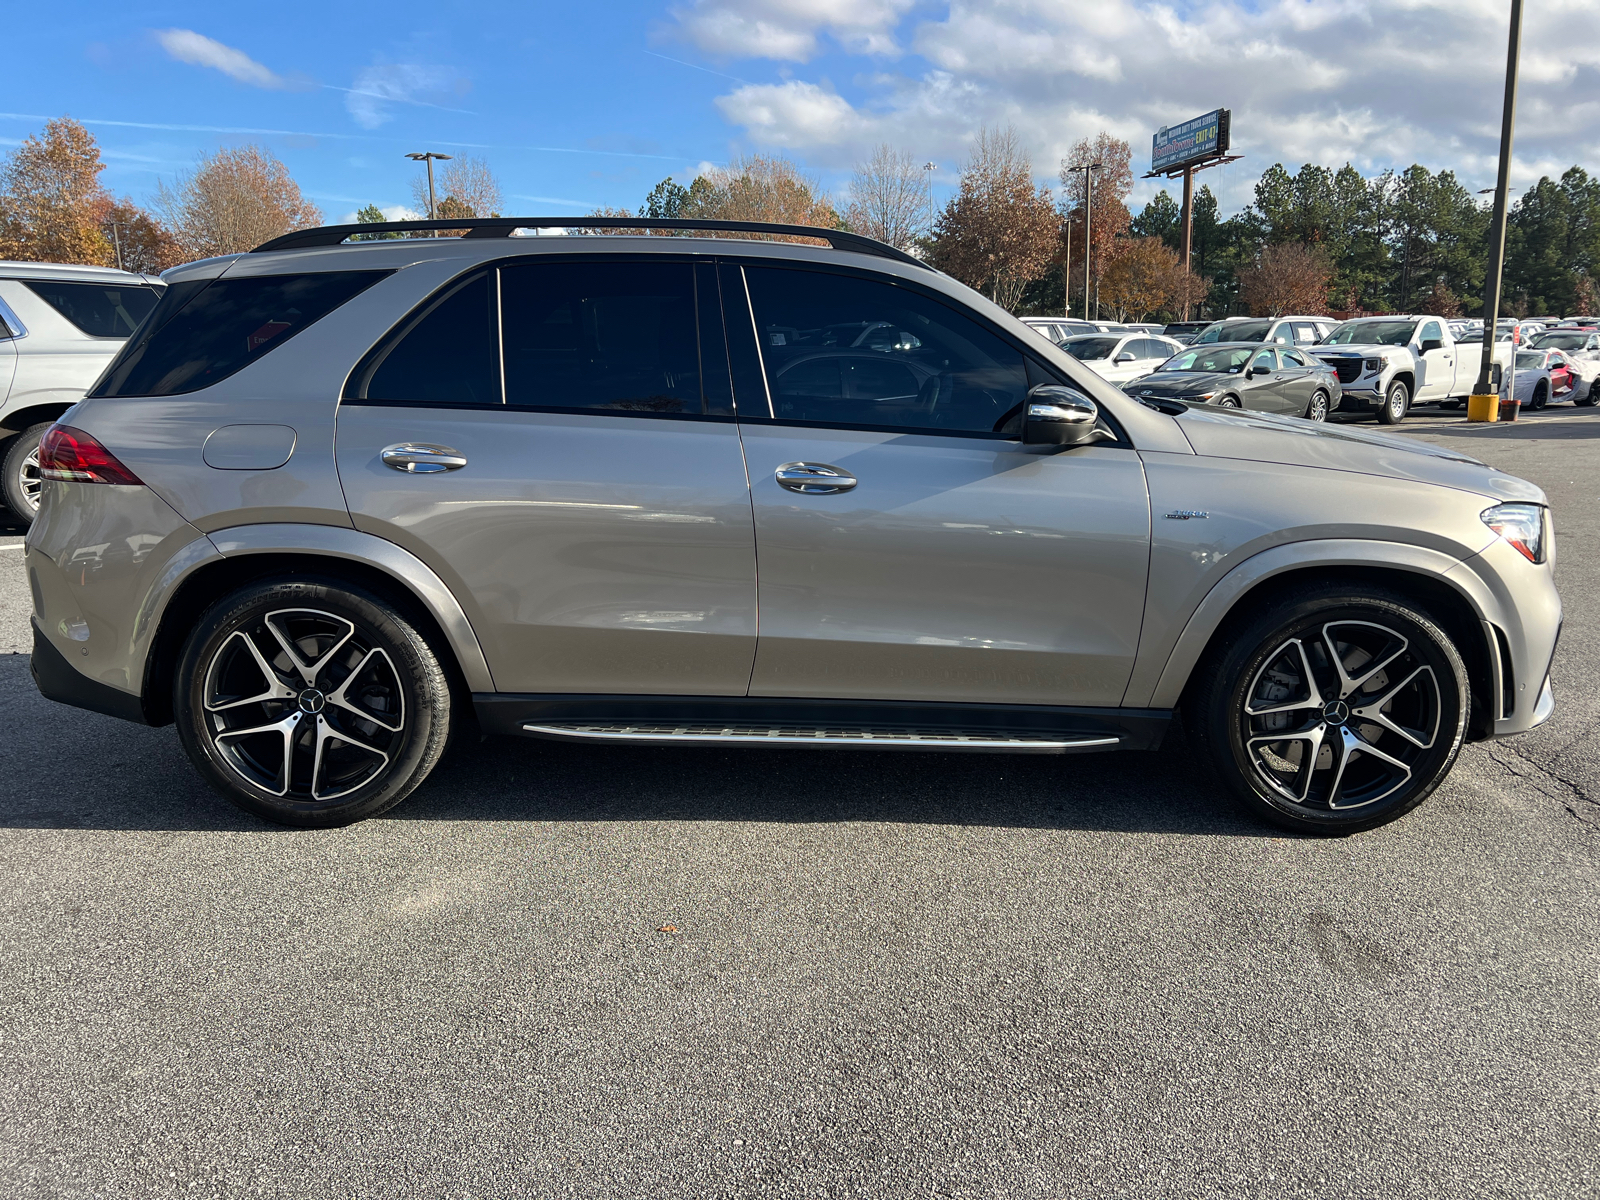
<point x="427" y="156"/>
<point x="928" y="169"/>
<point x="1088" y="228"/>
<point x="1497" y="224"/>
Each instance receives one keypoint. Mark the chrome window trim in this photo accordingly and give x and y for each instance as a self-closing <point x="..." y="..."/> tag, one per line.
<point x="17" y="330"/>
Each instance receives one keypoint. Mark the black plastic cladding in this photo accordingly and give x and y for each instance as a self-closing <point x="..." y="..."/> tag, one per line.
<point x="488" y="227"/>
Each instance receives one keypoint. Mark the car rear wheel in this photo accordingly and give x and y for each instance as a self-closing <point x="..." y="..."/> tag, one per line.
<point x="1331" y="713"/>
<point x="20" y="480"/>
<point x="1589" y="399"/>
<point x="1541" y="396"/>
<point x="1395" y="403"/>
<point x="1317" y="410"/>
<point x="310" y="702"/>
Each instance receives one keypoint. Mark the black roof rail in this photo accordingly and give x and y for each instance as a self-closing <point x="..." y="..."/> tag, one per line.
<point x="488" y="227"/>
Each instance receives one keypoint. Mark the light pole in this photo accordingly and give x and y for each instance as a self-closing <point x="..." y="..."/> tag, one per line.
<point x="427" y="156"/>
<point x="1497" y="225"/>
<point x="1088" y="228"/>
<point x="927" y="174"/>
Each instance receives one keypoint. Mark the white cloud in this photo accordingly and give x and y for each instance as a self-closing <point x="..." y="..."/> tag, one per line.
<point x="186" y="45"/>
<point x="789" y="29"/>
<point x="376" y="89"/>
<point x="1380" y="83"/>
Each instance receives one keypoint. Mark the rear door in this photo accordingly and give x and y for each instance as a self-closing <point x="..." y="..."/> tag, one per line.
<point x="956" y="564"/>
<point x="1262" y="385"/>
<point x="598" y="530"/>
<point x="1297" y="380"/>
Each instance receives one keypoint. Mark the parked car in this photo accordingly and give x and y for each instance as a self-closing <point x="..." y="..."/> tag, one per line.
<point x="59" y="327"/>
<point x="1184" y="331"/>
<point x="336" y="494"/>
<point x="1387" y="364"/>
<point x="1262" y="376"/>
<point x="1058" y="329"/>
<point x="1543" y="376"/>
<point x="1288" y="331"/>
<point x="1120" y="357"/>
<point x="1582" y="349"/>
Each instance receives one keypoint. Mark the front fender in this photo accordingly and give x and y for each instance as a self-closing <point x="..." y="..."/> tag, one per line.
<point x="1172" y="673"/>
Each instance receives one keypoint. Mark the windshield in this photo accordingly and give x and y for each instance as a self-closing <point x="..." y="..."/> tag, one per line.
<point x="1220" y="362"/>
<point x="1089" y="347"/>
<point x="1561" y="341"/>
<point x="1235" y="331"/>
<point x="1371" y="333"/>
<point x="1530" y="360"/>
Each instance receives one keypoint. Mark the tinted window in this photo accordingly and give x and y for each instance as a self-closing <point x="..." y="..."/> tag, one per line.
<point x="98" y="310"/>
<point x="1264" y="361"/>
<point x="1089" y="347"/>
<point x="615" y="336"/>
<point x="447" y="356"/>
<point x="1384" y="333"/>
<point x="851" y="351"/>
<point x="1150" y="348"/>
<point x="223" y="327"/>
<point x="1293" y="358"/>
<point x="1235" y="331"/>
<point x="1222" y="362"/>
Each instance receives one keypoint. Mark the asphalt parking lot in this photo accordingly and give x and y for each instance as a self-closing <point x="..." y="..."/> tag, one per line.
<point x="636" y="973"/>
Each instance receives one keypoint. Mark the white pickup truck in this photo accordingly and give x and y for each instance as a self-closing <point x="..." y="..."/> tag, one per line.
<point x="1387" y="364"/>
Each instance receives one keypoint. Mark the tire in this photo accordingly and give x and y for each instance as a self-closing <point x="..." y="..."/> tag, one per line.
<point x="1228" y="402"/>
<point x="1251" y="687"/>
<point x="20" y="480"/>
<point x="359" y="712"/>
<point x="1317" y="409"/>
<point x="1396" y="403"/>
<point x="1541" y="396"/>
<point x="1589" y="399"/>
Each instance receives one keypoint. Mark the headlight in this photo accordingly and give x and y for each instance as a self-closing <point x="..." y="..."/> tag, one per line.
<point x="1372" y="364"/>
<point x="1525" y="526"/>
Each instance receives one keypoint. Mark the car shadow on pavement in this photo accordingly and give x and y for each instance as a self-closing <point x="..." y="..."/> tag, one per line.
<point x="69" y="769"/>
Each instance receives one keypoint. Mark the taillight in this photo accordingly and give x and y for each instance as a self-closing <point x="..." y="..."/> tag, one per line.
<point x="72" y="456"/>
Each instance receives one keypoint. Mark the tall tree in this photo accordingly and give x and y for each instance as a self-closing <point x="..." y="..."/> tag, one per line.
<point x="888" y="198"/>
<point x="1000" y="230"/>
<point x="466" y="180"/>
<point x="761" y="188"/>
<point x="1140" y="279"/>
<point x="1108" y="218"/>
<point x="51" y="200"/>
<point x="233" y="201"/>
<point x="1162" y="218"/>
<point x="1286" y="278"/>
<point x="139" y="241"/>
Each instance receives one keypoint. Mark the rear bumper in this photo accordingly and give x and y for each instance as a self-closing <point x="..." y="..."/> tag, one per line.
<point x="57" y="679"/>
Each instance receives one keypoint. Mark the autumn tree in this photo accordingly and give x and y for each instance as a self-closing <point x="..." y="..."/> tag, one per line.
<point x="1000" y="230"/>
<point x="1140" y="278"/>
<point x="1106" y="207"/>
<point x="233" y="201"/>
<point x="465" y="186"/>
<point x="139" y="242"/>
<point x="761" y="188"/>
<point x="888" y="198"/>
<point x="51" y="199"/>
<point x="1287" y="278"/>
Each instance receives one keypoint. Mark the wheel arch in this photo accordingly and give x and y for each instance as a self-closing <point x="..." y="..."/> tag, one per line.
<point x="24" y="418"/>
<point x="256" y="552"/>
<point x="1410" y="571"/>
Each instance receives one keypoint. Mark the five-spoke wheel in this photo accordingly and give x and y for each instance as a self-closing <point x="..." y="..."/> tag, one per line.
<point x="1332" y="713"/>
<point x="311" y="703"/>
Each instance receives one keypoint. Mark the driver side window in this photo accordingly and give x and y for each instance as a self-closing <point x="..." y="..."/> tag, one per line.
<point x="1264" y="361"/>
<point x="846" y="350"/>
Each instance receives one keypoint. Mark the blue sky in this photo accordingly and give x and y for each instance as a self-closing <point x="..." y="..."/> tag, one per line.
<point x="580" y="105"/>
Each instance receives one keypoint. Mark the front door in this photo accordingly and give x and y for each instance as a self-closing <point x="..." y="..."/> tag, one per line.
<point x="599" y="530"/>
<point x="959" y="565"/>
<point x="1438" y="364"/>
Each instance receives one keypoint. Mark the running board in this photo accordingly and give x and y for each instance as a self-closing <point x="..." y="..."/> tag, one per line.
<point x="791" y="737"/>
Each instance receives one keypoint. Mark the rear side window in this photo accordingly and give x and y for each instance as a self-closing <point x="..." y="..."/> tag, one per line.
<point x="96" y="309"/>
<point x="844" y="350"/>
<point x="224" y="327"/>
<point x="610" y="336"/>
<point x="448" y="356"/>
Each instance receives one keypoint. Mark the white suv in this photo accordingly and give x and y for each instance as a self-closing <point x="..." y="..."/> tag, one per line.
<point x="59" y="327"/>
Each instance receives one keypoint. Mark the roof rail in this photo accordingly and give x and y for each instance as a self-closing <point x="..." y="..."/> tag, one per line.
<point x="488" y="227"/>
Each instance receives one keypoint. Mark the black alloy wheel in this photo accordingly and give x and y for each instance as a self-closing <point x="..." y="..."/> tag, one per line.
<point x="1317" y="410"/>
<point x="1541" y="396"/>
<point x="1396" y="402"/>
<point x="1331" y="713"/>
<point x="1591" y="397"/>
<point x="310" y="703"/>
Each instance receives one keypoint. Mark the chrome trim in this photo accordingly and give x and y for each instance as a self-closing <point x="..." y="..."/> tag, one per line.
<point x="813" y="479"/>
<point x="666" y="735"/>
<point x="12" y="322"/>
<point x="422" y="458"/>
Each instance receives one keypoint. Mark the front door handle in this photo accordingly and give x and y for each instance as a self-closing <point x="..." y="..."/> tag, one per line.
<point x="422" y="458"/>
<point x="813" y="479"/>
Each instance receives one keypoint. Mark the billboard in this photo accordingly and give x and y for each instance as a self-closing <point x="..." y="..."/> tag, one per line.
<point x="1203" y="137"/>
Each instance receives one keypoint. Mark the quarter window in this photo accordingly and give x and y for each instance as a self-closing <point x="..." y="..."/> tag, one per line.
<point x="220" y="327"/>
<point x="94" y="308"/>
<point x="844" y="350"/>
<point x="448" y="356"/>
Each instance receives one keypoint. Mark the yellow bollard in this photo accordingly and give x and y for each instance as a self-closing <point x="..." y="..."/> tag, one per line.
<point x="1483" y="408"/>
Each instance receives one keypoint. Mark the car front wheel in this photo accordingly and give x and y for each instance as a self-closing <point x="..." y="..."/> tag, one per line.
<point x="310" y="703"/>
<point x="1331" y="713"/>
<point x="1395" y="403"/>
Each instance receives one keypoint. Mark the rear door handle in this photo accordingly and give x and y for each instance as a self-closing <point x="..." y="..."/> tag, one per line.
<point x="813" y="479"/>
<point x="422" y="458"/>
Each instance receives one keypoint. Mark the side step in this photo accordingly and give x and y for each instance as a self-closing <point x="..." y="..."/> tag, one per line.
<point x="790" y="737"/>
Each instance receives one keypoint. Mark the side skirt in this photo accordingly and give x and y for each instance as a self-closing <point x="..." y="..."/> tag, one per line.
<point x="830" y="724"/>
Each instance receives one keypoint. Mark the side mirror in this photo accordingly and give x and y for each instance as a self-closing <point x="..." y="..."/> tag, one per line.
<point x="1125" y="357"/>
<point x="1059" y="416"/>
<point x="1251" y="373"/>
<point x="1432" y="344"/>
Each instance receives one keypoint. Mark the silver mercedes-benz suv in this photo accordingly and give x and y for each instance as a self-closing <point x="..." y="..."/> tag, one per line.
<point x="334" y="498"/>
